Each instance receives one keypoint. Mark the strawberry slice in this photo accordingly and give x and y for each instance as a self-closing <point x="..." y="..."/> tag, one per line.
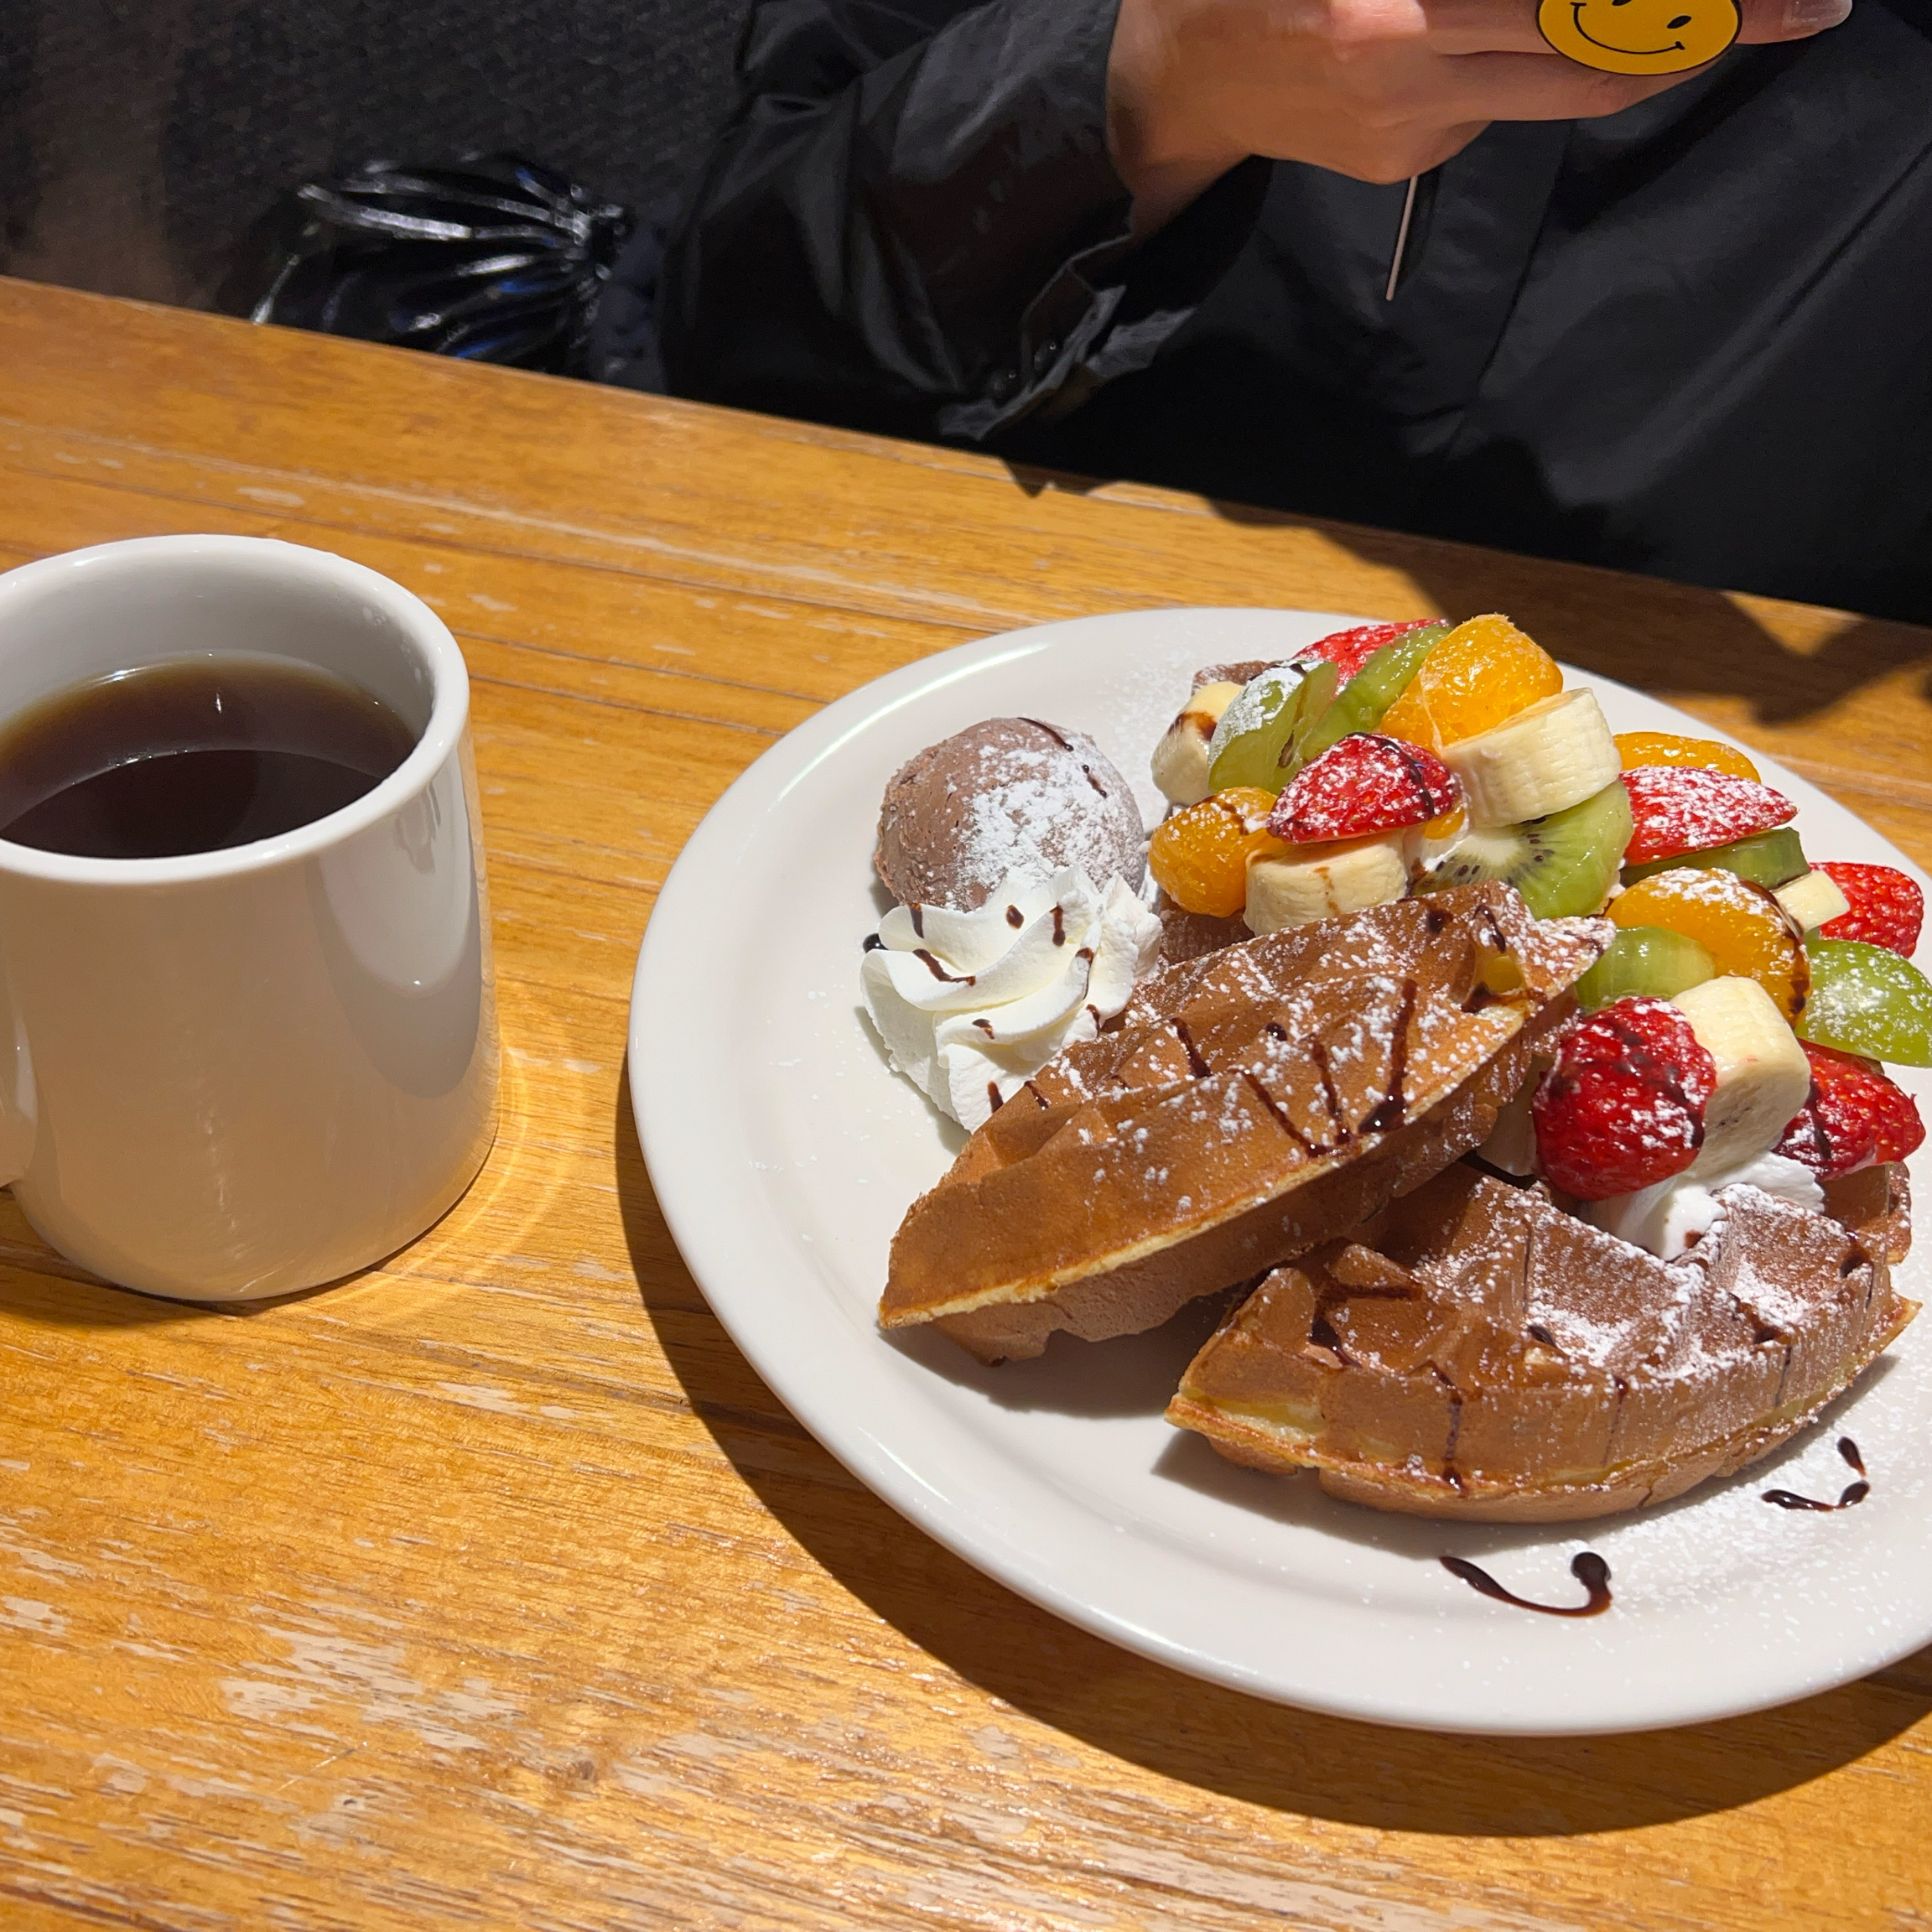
<point x="1365" y="783"/>
<point x="1686" y="807"/>
<point x="1887" y="908"/>
<point x="1853" y="1115"/>
<point x="1348" y="651"/>
<point x="1623" y="1106"/>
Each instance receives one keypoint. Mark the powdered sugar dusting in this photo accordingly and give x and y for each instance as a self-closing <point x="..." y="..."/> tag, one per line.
<point x="1010" y="824"/>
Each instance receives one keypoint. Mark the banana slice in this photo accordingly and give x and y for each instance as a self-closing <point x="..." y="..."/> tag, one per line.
<point x="1763" y="1075"/>
<point x="1546" y="759"/>
<point x="1811" y="898"/>
<point x="1181" y="759"/>
<point x="1318" y="881"/>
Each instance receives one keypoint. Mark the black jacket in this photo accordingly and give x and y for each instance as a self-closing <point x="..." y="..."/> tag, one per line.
<point x="1693" y="339"/>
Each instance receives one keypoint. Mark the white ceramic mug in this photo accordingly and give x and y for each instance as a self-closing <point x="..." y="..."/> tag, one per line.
<point x="240" y="1072"/>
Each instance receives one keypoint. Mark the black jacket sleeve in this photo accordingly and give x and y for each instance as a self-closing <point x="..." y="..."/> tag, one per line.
<point x="912" y="223"/>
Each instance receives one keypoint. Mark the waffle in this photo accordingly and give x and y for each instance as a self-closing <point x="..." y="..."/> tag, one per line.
<point x="1476" y="1352"/>
<point x="1251" y="1104"/>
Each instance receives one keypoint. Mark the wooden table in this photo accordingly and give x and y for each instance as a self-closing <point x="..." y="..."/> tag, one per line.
<point x="492" y="1588"/>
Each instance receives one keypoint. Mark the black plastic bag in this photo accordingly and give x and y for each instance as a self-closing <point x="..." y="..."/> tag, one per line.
<point x="496" y="258"/>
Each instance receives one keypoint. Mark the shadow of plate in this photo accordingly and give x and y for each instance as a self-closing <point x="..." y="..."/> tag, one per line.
<point x="1201" y="1734"/>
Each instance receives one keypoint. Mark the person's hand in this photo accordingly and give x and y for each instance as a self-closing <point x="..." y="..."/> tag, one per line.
<point x="1380" y="90"/>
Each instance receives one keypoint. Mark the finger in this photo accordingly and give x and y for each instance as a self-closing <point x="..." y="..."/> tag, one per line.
<point x="1790" y="19"/>
<point x="1510" y="26"/>
<point x="1484" y="26"/>
<point x="1542" y="87"/>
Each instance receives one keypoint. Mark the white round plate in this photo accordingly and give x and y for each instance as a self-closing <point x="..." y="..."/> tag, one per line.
<point x="784" y="1152"/>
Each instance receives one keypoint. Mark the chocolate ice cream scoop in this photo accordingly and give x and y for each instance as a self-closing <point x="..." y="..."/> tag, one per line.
<point x="1008" y="795"/>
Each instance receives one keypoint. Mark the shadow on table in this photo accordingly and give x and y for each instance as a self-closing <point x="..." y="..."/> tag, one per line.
<point x="1213" y="1738"/>
<point x="1672" y="640"/>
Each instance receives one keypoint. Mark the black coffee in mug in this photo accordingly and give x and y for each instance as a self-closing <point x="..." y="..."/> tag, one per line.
<point x="193" y="755"/>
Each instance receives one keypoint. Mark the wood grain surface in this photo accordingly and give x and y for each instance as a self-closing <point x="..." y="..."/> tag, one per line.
<point x="492" y="1588"/>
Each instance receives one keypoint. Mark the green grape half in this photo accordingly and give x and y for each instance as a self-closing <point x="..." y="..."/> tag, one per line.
<point x="1865" y="999"/>
<point x="1262" y="736"/>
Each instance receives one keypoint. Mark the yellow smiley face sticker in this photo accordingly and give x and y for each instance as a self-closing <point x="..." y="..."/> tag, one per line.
<point x="1639" y="36"/>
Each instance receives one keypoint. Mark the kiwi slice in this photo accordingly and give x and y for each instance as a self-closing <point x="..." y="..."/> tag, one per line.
<point x="1768" y="859"/>
<point x="1562" y="866"/>
<point x="1651" y="961"/>
<point x="1262" y="735"/>
<point x="1364" y="700"/>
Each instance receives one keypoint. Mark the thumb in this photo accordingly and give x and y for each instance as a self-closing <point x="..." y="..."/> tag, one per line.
<point x="1790" y="19"/>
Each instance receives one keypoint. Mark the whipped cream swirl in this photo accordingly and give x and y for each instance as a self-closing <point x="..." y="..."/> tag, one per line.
<point x="971" y="1004"/>
<point x="1672" y="1216"/>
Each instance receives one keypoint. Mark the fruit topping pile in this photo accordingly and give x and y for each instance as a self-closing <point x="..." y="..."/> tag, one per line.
<point x="1735" y="1028"/>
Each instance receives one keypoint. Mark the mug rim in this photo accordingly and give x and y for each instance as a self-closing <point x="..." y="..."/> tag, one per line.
<point x="441" y="734"/>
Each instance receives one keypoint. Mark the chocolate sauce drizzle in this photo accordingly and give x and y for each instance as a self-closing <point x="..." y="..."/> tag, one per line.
<point x="1851" y="1494"/>
<point x="1195" y="1064"/>
<point x="1389" y="1109"/>
<point x="939" y="972"/>
<point x="1274" y="1106"/>
<point x="1593" y="1573"/>
<point x="873" y="942"/>
<point x="1586" y="1566"/>
<point x="1453" y="1475"/>
<point x="1418" y="776"/>
<point x="1318" y="1052"/>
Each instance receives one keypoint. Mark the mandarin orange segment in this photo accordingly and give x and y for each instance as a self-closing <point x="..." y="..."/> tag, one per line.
<point x="1738" y="923"/>
<point x="1199" y="857"/>
<point x="1640" y="748"/>
<point x="1483" y="671"/>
